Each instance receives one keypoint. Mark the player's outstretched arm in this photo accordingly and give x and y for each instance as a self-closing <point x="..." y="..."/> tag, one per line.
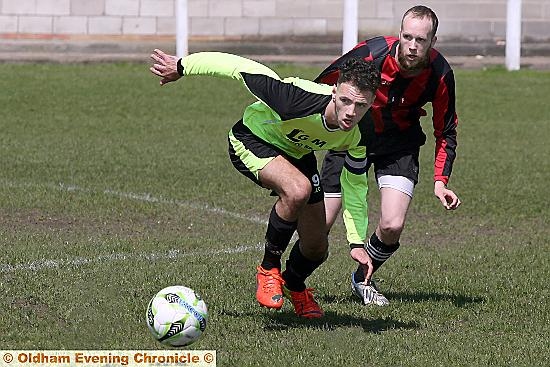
<point x="447" y="197"/>
<point x="165" y="66"/>
<point x="217" y="64"/>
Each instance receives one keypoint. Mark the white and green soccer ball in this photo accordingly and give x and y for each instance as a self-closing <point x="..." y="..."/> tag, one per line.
<point x="177" y="316"/>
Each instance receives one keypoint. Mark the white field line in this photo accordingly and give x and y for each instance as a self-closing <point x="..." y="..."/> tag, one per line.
<point x="172" y="254"/>
<point x="203" y="207"/>
<point x="46" y="264"/>
<point x="149" y="199"/>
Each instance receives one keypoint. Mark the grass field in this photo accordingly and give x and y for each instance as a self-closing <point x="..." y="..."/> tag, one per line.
<point x="112" y="188"/>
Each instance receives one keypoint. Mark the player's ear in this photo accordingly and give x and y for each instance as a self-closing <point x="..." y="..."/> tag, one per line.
<point x="434" y="39"/>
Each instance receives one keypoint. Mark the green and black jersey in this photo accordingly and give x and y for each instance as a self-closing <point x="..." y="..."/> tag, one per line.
<point x="289" y="114"/>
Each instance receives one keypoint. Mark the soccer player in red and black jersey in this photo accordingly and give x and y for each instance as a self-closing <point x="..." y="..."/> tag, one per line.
<point x="413" y="74"/>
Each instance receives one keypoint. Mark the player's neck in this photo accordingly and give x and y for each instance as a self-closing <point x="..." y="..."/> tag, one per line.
<point x="330" y="116"/>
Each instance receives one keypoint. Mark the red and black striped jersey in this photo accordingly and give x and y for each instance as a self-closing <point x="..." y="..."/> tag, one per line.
<point x="393" y="122"/>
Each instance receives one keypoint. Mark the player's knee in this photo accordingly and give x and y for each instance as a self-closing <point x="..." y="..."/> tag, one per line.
<point x="392" y="227"/>
<point x="297" y="194"/>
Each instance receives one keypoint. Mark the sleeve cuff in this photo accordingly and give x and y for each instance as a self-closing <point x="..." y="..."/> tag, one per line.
<point x="444" y="179"/>
<point x="180" y="67"/>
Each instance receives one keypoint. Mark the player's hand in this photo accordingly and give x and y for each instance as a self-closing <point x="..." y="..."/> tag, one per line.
<point x="165" y="66"/>
<point x="447" y="197"/>
<point x="361" y="256"/>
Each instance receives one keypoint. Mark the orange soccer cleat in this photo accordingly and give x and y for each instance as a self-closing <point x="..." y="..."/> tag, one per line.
<point x="304" y="303"/>
<point x="269" y="287"/>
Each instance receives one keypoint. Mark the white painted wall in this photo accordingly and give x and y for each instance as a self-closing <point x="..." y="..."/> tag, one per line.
<point x="459" y="19"/>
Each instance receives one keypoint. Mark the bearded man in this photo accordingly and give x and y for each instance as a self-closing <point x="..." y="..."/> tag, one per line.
<point x="413" y="74"/>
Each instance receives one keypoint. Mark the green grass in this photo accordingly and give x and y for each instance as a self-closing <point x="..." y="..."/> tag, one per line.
<point x="110" y="189"/>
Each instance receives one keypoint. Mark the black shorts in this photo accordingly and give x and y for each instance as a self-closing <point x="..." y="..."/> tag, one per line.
<point x="396" y="164"/>
<point x="249" y="154"/>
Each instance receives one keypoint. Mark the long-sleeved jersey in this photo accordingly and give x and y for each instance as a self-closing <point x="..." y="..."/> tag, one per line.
<point x="289" y="114"/>
<point x="393" y="122"/>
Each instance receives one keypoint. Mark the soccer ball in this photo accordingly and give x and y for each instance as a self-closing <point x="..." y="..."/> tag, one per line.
<point x="177" y="316"/>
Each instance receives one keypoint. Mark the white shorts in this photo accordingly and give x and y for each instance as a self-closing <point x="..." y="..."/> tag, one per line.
<point x="399" y="183"/>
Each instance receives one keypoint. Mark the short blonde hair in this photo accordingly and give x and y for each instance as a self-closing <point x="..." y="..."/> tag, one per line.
<point x="421" y="11"/>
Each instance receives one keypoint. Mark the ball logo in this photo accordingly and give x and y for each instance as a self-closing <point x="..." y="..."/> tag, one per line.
<point x="174" y="298"/>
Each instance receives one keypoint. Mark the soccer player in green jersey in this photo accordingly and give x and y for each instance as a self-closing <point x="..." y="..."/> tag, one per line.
<point x="274" y="144"/>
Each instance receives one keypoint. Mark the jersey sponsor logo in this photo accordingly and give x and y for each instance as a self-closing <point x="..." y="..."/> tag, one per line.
<point x="300" y="139"/>
<point x="318" y="142"/>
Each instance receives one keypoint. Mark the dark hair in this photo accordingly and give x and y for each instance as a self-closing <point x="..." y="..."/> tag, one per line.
<point x="361" y="73"/>
<point x="421" y="11"/>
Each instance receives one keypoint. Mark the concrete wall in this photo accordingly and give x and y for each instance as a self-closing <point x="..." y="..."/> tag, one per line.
<point x="219" y="19"/>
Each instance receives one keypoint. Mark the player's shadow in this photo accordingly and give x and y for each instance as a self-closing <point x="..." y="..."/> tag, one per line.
<point x="285" y="320"/>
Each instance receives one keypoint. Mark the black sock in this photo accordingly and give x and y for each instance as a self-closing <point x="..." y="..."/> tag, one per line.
<point x="379" y="252"/>
<point x="298" y="268"/>
<point x="278" y="235"/>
